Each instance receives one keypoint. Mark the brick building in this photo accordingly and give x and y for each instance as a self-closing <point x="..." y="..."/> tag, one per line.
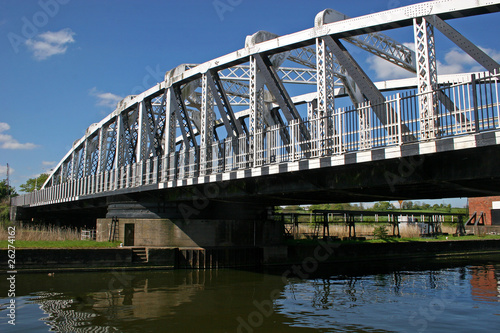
<point x="489" y="205"/>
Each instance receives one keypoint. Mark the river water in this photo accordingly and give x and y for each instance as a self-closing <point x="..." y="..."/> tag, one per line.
<point x="460" y="295"/>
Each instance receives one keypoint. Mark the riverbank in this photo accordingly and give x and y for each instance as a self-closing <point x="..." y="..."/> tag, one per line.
<point x="127" y="258"/>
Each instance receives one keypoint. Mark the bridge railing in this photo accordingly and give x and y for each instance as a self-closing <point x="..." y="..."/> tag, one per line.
<point x="459" y="108"/>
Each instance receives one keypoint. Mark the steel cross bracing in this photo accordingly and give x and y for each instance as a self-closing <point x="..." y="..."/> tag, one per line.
<point x="188" y="125"/>
<point x="374" y="42"/>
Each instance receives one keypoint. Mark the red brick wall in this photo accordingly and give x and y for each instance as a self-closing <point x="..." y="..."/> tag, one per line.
<point x="482" y="204"/>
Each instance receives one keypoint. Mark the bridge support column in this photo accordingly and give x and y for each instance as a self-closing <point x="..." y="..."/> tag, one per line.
<point x="211" y="224"/>
<point x="427" y="77"/>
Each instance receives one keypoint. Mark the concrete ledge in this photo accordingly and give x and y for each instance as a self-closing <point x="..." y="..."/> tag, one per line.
<point x="341" y="252"/>
<point x="51" y="260"/>
<point x="48" y="258"/>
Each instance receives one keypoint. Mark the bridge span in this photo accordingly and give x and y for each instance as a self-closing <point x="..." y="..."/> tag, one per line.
<point x="285" y="120"/>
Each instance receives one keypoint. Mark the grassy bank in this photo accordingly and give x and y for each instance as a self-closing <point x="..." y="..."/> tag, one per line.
<point x="47" y="236"/>
<point x="398" y="240"/>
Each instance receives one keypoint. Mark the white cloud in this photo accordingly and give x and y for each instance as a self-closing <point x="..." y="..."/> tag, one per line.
<point x="386" y="70"/>
<point x="106" y="99"/>
<point x="50" y="43"/>
<point x="457" y="61"/>
<point x="48" y="163"/>
<point x="4" y="127"/>
<point x="3" y="171"/>
<point x="8" y="142"/>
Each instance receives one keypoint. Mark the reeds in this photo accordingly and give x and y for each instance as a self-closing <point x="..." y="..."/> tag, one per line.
<point x="42" y="233"/>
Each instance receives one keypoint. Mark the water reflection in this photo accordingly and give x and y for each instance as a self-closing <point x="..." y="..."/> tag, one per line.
<point x="61" y="317"/>
<point x="405" y="301"/>
<point x="149" y="301"/>
<point x="361" y="298"/>
<point x="485" y="283"/>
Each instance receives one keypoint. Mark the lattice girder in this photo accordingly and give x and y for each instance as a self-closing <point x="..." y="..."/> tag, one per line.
<point x="427" y="76"/>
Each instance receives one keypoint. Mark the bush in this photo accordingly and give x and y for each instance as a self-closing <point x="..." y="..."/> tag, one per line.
<point x="4" y="212"/>
<point x="380" y="232"/>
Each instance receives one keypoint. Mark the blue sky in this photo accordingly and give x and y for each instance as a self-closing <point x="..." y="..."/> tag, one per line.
<point x="64" y="64"/>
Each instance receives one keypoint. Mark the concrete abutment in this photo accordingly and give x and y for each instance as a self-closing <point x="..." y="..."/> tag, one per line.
<point x="203" y="224"/>
<point x="189" y="233"/>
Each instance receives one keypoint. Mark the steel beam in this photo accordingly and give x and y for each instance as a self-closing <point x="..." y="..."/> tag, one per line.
<point x="276" y="88"/>
<point x="325" y="106"/>
<point x="142" y="137"/>
<point x="118" y="163"/>
<point x="427" y="76"/>
<point x="472" y="50"/>
<point x="226" y="112"/>
<point x="366" y="86"/>
<point x="169" y="134"/>
<point x="374" y="42"/>
<point x="207" y="125"/>
<point x="183" y="119"/>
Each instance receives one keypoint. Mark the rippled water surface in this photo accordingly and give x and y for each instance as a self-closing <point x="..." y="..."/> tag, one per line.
<point x="417" y="296"/>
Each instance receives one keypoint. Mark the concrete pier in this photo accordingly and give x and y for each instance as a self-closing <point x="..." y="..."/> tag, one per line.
<point x="188" y="224"/>
<point x="189" y="233"/>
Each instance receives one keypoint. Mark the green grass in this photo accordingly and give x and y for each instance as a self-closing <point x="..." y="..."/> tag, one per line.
<point x="68" y="244"/>
<point x="396" y="240"/>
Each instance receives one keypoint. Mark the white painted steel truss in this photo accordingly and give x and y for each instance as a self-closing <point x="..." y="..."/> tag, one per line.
<point x="193" y="123"/>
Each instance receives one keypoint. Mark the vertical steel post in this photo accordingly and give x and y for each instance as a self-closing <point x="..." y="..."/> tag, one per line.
<point x="427" y="77"/>
<point x="474" y="102"/>
<point x="326" y="96"/>
<point x="256" y="96"/>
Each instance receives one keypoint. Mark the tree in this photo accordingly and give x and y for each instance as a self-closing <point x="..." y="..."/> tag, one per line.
<point x="425" y="206"/>
<point x="408" y="205"/>
<point x="383" y="205"/>
<point x="34" y="183"/>
<point x="6" y="190"/>
<point x="292" y="209"/>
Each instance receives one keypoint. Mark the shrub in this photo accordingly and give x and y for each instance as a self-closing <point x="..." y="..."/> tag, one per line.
<point x="380" y="232"/>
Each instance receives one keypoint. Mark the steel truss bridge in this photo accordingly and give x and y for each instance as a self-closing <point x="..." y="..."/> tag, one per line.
<point x="286" y="104"/>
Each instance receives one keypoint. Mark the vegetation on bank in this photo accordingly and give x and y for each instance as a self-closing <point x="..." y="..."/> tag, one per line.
<point x="7" y="191"/>
<point x="75" y="244"/>
<point x="390" y="239"/>
<point x="47" y="236"/>
<point x="405" y="206"/>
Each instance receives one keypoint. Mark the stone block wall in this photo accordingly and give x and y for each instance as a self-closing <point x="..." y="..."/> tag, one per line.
<point x="191" y="233"/>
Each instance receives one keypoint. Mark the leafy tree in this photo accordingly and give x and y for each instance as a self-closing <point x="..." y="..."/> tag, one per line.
<point x="4" y="212"/>
<point x="6" y="190"/>
<point x="34" y="183"/>
<point x="290" y="209"/>
<point x="383" y="205"/>
<point x="408" y="205"/>
<point x="344" y="206"/>
<point x="448" y="208"/>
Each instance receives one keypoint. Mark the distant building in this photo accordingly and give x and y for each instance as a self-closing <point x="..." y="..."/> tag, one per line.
<point x="490" y="206"/>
